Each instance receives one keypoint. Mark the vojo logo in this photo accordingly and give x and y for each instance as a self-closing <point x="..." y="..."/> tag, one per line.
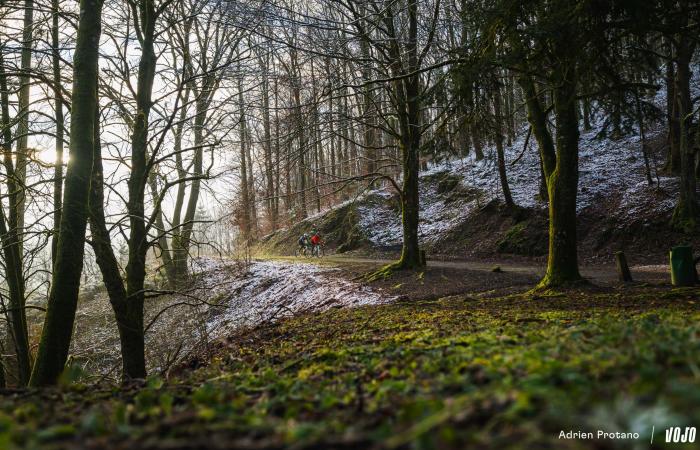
<point x="678" y="434"/>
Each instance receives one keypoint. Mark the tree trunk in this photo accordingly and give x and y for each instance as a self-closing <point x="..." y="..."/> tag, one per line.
<point x="111" y="276"/>
<point x="251" y="188"/>
<point x="63" y="298"/>
<point x="368" y="109"/>
<point x="331" y="120"/>
<point x="267" y="148"/>
<point x="183" y="249"/>
<point x="58" y="105"/>
<point x="498" y="128"/>
<point x="562" y="182"/>
<point x="407" y="92"/>
<point x="165" y="254"/>
<point x="687" y="211"/>
<point x="586" y="114"/>
<point x="10" y="242"/>
<point x="410" y="251"/>
<point x="133" y="345"/>
<point x="278" y="162"/>
<point x="171" y="261"/>
<point x="23" y="117"/>
<point x="16" y="312"/>
<point x="643" y="139"/>
<point x="697" y="150"/>
<point x="510" y="109"/>
<point x="316" y="164"/>
<point x="537" y="118"/>
<point x="673" y="162"/>
<point x="245" y="200"/>
<point x="302" y="156"/>
<point x="544" y="192"/>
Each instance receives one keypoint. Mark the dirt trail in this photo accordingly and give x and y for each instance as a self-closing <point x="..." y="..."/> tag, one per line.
<point x="598" y="274"/>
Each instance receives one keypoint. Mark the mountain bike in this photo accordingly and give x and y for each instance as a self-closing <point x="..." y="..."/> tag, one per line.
<point x="307" y="250"/>
<point x="318" y="250"/>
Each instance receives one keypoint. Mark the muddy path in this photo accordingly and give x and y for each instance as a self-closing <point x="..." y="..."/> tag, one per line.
<point x="598" y="274"/>
<point x="476" y="278"/>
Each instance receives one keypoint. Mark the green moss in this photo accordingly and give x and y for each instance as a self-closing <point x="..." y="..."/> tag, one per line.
<point x="685" y="217"/>
<point x="513" y="235"/>
<point x="383" y="273"/>
<point x="527" y="238"/>
<point x="425" y="374"/>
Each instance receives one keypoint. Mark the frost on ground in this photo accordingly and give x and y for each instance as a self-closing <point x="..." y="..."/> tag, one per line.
<point x="227" y="295"/>
<point x="265" y="291"/>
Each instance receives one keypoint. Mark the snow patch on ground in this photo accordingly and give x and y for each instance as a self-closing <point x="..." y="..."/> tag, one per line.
<point x="268" y="290"/>
<point x="227" y="295"/>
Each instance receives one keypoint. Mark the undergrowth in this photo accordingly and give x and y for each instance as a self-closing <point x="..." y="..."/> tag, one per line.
<point x="510" y="372"/>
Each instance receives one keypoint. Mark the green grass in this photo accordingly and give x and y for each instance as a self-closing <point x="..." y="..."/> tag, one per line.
<point x="485" y="373"/>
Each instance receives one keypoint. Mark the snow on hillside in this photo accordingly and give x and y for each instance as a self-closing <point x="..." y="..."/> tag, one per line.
<point x="610" y="171"/>
<point x="605" y="166"/>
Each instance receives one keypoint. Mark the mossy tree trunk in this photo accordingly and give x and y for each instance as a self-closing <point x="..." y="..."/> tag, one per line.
<point x="687" y="211"/>
<point x="410" y="251"/>
<point x="63" y="297"/>
<point x="562" y="184"/>
<point x="537" y="119"/>
<point x="559" y="164"/>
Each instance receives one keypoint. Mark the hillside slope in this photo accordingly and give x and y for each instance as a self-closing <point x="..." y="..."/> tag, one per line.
<point x="462" y="214"/>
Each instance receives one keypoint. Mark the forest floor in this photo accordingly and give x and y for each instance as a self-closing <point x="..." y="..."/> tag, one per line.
<point x="484" y="368"/>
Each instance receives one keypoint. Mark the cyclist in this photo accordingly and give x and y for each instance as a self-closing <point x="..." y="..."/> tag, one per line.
<point x="316" y="243"/>
<point x="304" y="243"/>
